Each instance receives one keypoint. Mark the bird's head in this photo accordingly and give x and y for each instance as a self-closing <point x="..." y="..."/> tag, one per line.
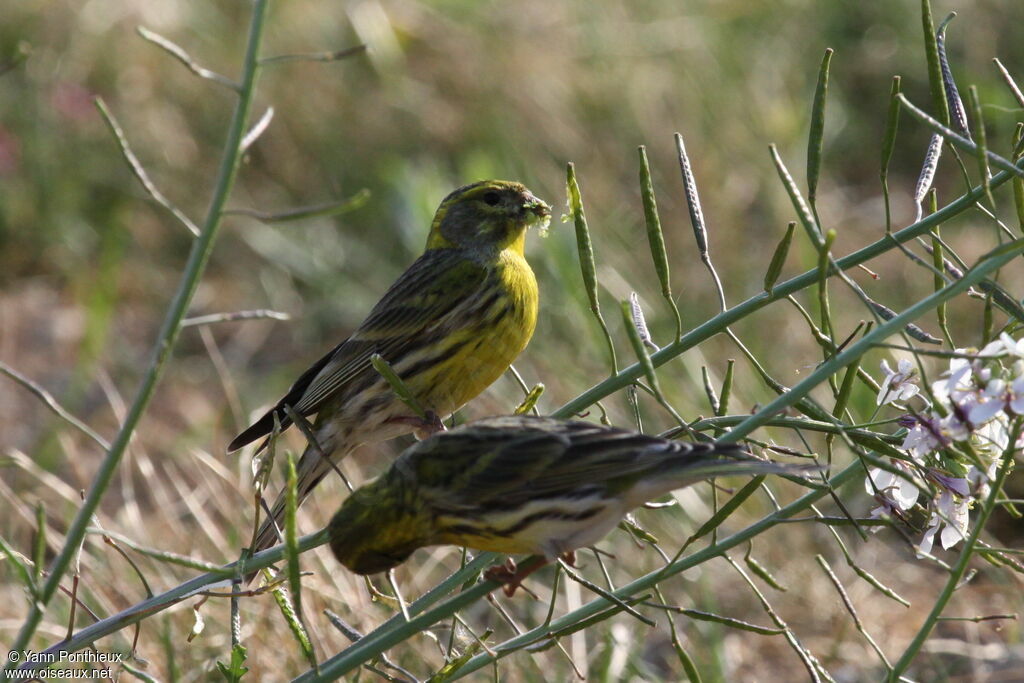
<point x="490" y="215"/>
<point x="375" y="529"/>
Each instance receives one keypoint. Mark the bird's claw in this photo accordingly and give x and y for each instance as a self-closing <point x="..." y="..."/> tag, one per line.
<point x="512" y="576"/>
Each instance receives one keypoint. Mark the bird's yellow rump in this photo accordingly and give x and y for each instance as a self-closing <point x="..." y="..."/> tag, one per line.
<point x="520" y="484"/>
<point x="449" y="327"/>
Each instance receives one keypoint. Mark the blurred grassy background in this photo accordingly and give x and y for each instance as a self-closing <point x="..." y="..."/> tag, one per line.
<point x="450" y="92"/>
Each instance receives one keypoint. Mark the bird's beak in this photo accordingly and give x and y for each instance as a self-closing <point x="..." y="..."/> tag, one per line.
<point x="537" y="207"/>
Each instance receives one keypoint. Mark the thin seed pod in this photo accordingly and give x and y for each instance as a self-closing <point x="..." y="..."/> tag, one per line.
<point x="761" y="571"/>
<point x="726" y="510"/>
<point x="291" y="605"/>
<point x="530" y="402"/>
<point x="586" y="252"/>
<point x="914" y="331"/>
<point x="958" y="140"/>
<point x="845" y="389"/>
<point x="803" y="212"/>
<point x="957" y="115"/>
<point x="638" y="347"/>
<point x="631" y="527"/>
<point x="656" y="239"/>
<point x="733" y="623"/>
<point x="842" y="400"/>
<point x="924" y="181"/>
<point x="640" y="322"/>
<point x="892" y="123"/>
<point x="603" y="615"/>
<point x="1018" y="182"/>
<point x="385" y="370"/>
<point x="779" y="258"/>
<point x="21" y="569"/>
<point x="685" y="660"/>
<point x="982" y="141"/>
<point x="817" y="132"/>
<point x="39" y="549"/>
<point x="938" y="282"/>
<point x="356" y="201"/>
<point x="823" y="270"/>
<point x="723" y="406"/>
<point x="700" y="232"/>
<point x="1010" y="83"/>
<point x="179" y="53"/>
<point x="709" y="390"/>
<point x="139" y="171"/>
<point x="291" y="535"/>
<point x="294" y="625"/>
<point x="879" y="586"/>
<point x="852" y="611"/>
<point x="593" y="587"/>
<point x="1000" y="297"/>
<point x="159" y="555"/>
<point x="931" y="49"/>
<point x="263" y="463"/>
<point x="644" y="359"/>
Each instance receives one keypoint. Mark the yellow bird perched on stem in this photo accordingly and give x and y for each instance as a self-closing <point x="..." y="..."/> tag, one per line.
<point x="449" y="327"/>
<point x="520" y="484"/>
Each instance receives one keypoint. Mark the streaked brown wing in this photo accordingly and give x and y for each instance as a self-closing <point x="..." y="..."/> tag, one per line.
<point x="420" y="300"/>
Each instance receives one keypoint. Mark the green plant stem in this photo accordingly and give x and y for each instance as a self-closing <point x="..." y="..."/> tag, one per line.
<point x="197" y="259"/>
<point x="158" y="603"/>
<point x="383" y="637"/>
<point x="854" y="351"/>
<point x="397" y="628"/>
<point x="961" y="566"/>
<point x="718" y="323"/>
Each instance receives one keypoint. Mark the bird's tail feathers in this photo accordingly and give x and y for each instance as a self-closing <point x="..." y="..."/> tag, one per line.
<point x="724" y="460"/>
<point x="311" y="470"/>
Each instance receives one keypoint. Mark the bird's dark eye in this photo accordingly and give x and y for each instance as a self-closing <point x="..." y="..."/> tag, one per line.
<point x="492" y="198"/>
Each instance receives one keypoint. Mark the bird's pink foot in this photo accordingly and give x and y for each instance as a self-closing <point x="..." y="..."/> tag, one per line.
<point x="512" y="576"/>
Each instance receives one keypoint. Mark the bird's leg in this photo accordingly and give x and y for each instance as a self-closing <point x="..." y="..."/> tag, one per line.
<point x="431" y="425"/>
<point x="513" y="576"/>
<point x="422" y="427"/>
<point x="569" y="558"/>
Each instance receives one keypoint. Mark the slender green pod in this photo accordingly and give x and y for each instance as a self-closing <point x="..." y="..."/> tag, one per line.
<point x="892" y="124"/>
<point x="931" y="50"/>
<point x="586" y="252"/>
<point x="817" y="128"/>
<point x="955" y="106"/>
<point x="803" y="211"/>
<point x="779" y="258"/>
<point x="655" y="237"/>
<point x="981" y="139"/>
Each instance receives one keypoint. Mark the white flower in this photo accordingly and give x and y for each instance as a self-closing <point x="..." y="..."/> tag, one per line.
<point x="980" y="480"/>
<point x="920" y="441"/>
<point x="900" y="490"/>
<point x="1016" y="397"/>
<point x="994" y="436"/>
<point x="988" y="403"/>
<point x="956" y="385"/>
<point x="898" y="385"/>
<point x="951" y="515"/>
<point x="953" y="428"/>
<point x="1004" y="346"/>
